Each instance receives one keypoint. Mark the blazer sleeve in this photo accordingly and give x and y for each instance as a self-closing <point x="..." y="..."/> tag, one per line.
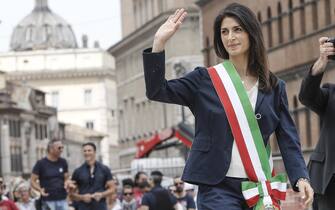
<point x="311" y="95"/>
<point x="289" y="143"/>
<point x="177" y="91"/>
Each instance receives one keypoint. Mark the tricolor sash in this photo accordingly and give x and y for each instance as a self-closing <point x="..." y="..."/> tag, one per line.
<point x="263" y="191"/>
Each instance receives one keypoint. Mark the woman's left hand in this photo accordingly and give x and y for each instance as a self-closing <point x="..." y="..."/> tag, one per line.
<point x="306" y="192"/>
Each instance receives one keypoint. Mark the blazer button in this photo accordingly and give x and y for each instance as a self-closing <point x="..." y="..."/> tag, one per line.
<point x="258" y="116"/>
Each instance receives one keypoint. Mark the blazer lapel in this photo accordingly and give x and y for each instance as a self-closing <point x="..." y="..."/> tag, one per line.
<point x="260" y="97"/>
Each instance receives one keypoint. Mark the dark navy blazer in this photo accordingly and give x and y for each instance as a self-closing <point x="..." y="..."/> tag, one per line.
<point x="210" y="154"/>
<point x="322" y="101"/>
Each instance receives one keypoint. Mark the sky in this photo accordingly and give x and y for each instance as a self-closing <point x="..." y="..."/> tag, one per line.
<point x="99" y="19"/>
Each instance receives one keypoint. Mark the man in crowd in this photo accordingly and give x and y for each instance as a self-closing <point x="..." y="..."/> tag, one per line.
<point x="158" y="198"/>
<point x="93" y="180"/>
<point x="322" y="101"/>
<point x="140" y="180"/>
<point x="184" y="199"/>
<point x="52" y="173"/>
<point x="128" y="201"/>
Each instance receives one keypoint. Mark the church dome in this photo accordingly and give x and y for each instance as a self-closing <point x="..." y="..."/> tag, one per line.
<point x="42" y="29"/>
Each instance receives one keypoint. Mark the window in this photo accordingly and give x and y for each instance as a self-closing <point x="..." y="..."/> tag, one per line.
<point x="90" y="125"/>
<point x="328" y="12"/>
<point x="88" y="97"/>
<point x="290" y="17"/>
<point x="14" y="128"/>
<point x="302" y="17"/>
<point x="207" y="52"/>
<point x="54" y="98"/>
<point x="29" y="33"/>
<point x="269" y="26"/>
<point x="280" y="23"/>
<point x="315" y="15"/>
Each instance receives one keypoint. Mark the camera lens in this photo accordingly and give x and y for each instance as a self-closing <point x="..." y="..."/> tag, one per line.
<point x="332" y="40"/>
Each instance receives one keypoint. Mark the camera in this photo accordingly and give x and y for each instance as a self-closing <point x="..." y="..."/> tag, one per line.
<point x="332" y="40"/>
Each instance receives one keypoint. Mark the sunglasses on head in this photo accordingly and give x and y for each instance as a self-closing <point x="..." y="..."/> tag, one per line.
<point x="125" y="194"/>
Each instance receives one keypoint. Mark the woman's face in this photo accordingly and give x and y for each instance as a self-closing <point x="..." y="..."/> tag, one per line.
<point x="234" y="38"/>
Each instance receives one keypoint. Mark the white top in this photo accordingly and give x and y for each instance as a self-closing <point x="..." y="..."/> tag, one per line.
<point x="236" y="168"/>
<point x="26" y="206"/>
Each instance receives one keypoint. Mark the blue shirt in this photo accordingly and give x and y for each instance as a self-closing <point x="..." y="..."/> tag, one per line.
<point x="92" y="183"/>
<point x="51" y="176"/>
<point x="159" y="199"/>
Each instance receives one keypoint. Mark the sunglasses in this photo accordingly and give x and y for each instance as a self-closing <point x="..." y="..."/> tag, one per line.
<point x="126" y="194"/>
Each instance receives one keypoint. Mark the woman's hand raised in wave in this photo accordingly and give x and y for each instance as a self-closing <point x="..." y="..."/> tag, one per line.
<point x="168" y="29"/>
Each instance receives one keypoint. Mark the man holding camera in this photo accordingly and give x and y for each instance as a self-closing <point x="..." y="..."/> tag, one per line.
<point x="322" y="102"/>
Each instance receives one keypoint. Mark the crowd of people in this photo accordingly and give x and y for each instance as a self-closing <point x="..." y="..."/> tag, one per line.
<point x="91" y="187"/>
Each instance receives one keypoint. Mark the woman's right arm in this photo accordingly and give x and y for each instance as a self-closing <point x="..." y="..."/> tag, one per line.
<point x="178" y="91"/>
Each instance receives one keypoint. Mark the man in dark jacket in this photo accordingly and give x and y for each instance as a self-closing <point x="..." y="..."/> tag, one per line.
<point x="158" y="198"/>
<point x="322" y="101"/>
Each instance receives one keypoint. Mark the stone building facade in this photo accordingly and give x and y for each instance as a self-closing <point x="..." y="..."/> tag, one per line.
<point x="27" y="124"/>
<point x="140" y="118"/>
<point x="79" y="82"/>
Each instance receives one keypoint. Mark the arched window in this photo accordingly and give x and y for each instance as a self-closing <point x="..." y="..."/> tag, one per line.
<point x="47" y="32"/>
<point x="207" y="52"/>
<point x="290" y="17"/>
<point x="296" y="111"/>
<point x="315" y="15"/>
<point x="29" y="33"/>
<point x="152" y="8"/>
<point x="280" y="23"/>
<point x="145" y="11"/>
<point x="327" y="12"/>
<point x="269" y="27"/>
<point x="302" y="17"/>
<point x="135" y="11"/>
<point x="141" y="15"/>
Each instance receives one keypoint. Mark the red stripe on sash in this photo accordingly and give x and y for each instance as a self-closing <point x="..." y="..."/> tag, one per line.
<point x="236" y="130"/>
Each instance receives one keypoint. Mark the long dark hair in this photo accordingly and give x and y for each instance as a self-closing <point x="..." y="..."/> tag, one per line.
<point x="257" y="58"/>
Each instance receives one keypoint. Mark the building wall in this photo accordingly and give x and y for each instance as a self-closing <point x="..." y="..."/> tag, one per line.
<point x="136" y="13"/>
<point x="140" y="118"/>
<point x="57" y="60"/>
<point x="72" y="108"/>
<point x="69" y="74"/>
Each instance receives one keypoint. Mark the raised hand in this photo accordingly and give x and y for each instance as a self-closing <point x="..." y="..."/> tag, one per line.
<point x="326" y="49"/>
<point x="168" y="29"/>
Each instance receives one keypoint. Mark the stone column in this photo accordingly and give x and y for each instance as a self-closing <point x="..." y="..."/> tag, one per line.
<point x="5" y="150"/>
<point x="25" y="144"/>
<point x="32" y="152"/>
